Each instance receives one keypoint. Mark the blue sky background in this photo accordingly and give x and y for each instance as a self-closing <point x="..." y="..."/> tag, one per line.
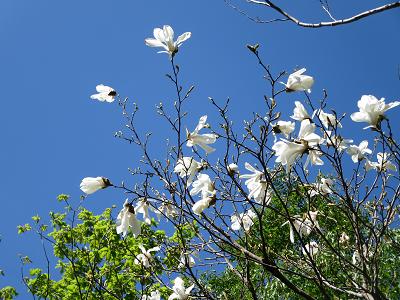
<point x="54" y="53"/>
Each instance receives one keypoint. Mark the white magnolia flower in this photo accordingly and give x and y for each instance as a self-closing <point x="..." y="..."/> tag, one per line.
<point x="126" y="220"/>
<point x="287" y="152"/>
<point x="89" y="185"/>
<point x="203" y="140"/>
<point x="372" y="110"/>
<point x="344" y="238"/>
<point x="314" y="157"/>
<point x="327" y="119"/>
<point x="187" y="166"/>
<point x="142" y="207"/>
<point x="310" y="139"/>
<point x="299" y="112"/>
<point x="145" y="257"/>
<point x="232" y="169"/>
<point x="202" y="204"/>
<point x="257" y="185"/>
<point x="202" y="185"/>
<point x="167" y="209"/>
<point x="244" y="220"/>
<point x="284" y="127"/>
<point x="303" y="226"/>
<point x="358" y="152"/>
<point x="164" y="38"/>
<point x="186" y="260"/>
<point x="205" y="186"/>
<point x="370" y="165"/>
<point x="337" y="141"/>
<point x="322" y="188"/>
<point x="307" y="134"/>
<point x="311" y="248"/>
<point x="299" y="82"/>
<point x="382" y="165"/>
<point x="179" y="291"/>
<point x="105" y="93"/>
<point x="155" y="295"/>
<point x="356" y="259"/>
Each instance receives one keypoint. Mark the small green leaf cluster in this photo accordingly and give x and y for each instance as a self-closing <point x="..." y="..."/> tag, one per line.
<point x="8" y="293"/>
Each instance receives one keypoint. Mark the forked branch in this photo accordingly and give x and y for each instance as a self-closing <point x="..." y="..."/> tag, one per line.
<point x="354" y="18"/>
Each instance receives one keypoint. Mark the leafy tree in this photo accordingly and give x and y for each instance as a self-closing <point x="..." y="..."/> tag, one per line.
<point x="94" y="262"/>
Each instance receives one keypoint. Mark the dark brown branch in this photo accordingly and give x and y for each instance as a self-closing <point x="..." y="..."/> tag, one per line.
<point x="326" y="24"/>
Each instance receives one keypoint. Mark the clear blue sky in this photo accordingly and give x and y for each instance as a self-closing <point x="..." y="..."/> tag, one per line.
<point x="53" y="53"/>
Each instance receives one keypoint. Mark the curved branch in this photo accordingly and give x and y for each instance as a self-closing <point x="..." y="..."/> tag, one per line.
<point x="325" y="24"/>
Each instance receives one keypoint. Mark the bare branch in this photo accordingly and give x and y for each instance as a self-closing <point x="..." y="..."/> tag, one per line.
<point x="354" y="18"/>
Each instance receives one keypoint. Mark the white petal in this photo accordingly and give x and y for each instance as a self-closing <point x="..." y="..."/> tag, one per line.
<point x="159" y="34"/>
<point x="168" y="32"/>
<point x="100" y="97"/>
<point x="201" y="124"/>
<point x="153" y="43"/>
<point x="101" y="88"/>
<point x="359" y="117"/>
<point x="182" y="38"/>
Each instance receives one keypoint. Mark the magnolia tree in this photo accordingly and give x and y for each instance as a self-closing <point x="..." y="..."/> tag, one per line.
<point x="290" y="208"/>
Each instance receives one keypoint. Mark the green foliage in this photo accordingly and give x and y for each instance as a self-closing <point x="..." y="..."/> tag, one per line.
<point x="62" y="197"/>
<point x="8" y="293"/>
<point x="92" y="259"/>
<point x="229" y="284"/>
<point x="24" y="228"/>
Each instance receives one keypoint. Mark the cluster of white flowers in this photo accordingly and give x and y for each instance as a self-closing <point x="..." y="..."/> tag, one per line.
<point x="287" y="151"/>
<point x="307" y="142"/>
